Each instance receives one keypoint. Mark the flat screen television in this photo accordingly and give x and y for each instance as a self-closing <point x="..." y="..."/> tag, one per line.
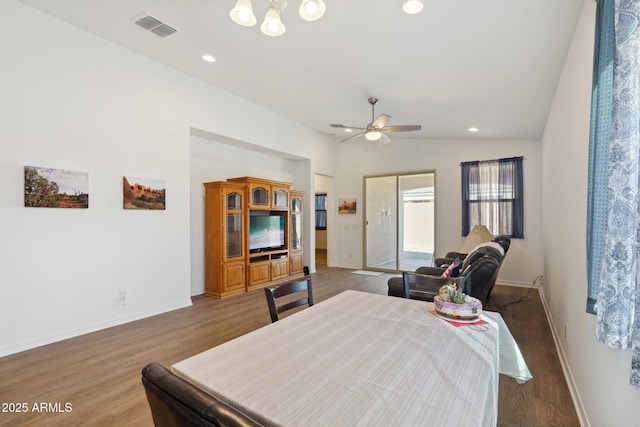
<point x="266" y="232"/>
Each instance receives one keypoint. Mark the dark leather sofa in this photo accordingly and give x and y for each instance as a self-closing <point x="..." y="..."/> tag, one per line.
<point x="478" y="275"/>
<point x="175" y="402"/>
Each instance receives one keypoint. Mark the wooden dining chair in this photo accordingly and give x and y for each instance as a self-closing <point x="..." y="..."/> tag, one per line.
<point x="277" y="305"/>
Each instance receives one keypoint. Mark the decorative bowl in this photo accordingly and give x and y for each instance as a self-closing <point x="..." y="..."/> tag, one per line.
<point x="469" y="310"/>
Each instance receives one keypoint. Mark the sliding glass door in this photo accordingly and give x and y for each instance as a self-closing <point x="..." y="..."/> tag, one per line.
<point x="399" y="214"/>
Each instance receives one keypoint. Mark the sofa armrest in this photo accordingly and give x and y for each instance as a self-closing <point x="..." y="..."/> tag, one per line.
<point x="443" y="262"/>
<point x="430" y="271"/>
<point x="455" y="255"/>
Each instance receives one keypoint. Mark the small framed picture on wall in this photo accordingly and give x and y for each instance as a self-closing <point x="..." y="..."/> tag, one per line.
<point x="347" y="206"/>
<point x="55" y="188"/>
<point x="143" y="193"/>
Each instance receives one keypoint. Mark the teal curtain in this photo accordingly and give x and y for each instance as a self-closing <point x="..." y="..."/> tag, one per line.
<point x="614" y="180"/>
<point x="601" y="102"/>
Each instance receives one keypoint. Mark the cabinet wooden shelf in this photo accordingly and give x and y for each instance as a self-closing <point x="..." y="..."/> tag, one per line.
<point x="235" y="262"/>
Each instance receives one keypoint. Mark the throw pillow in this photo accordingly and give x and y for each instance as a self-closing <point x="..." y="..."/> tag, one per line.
<point x="453" y="270"/>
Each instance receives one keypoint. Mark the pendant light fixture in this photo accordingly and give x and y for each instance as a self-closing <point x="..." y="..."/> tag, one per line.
<point x="242" y="14"/>
<point x="272" y="25"/>
<point x="312" y="10"/>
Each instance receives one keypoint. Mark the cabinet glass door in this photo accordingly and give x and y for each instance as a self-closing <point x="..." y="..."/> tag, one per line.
<point x="234" y="235"/>
<point x="296" y="205"/>
<point x="260" y="196"/>
<point x="296" y="232"/>
<point x="280" y="199"/>
<point x="234" y="202"/>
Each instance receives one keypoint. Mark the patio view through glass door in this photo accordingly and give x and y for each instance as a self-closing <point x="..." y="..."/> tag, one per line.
<point x="399" y="214"/>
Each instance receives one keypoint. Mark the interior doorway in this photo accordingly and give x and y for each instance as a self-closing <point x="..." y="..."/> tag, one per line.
<point x="323" y="186"/>
<point x="399" y="214"/>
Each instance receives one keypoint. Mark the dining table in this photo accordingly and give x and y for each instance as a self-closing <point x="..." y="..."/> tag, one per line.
<point x="363" y="359"/>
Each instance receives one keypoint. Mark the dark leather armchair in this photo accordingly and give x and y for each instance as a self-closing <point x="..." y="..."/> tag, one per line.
<point x="478" y="275"/>
<point x="176" y="403"/>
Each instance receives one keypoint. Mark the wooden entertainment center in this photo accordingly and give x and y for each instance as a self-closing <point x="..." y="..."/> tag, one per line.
<point x="253" y="235"/>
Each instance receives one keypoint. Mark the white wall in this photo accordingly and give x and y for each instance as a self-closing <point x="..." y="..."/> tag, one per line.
<point x="524" y="260"/>
<point x="73" y="101"/>
<point x="600" y="375"/>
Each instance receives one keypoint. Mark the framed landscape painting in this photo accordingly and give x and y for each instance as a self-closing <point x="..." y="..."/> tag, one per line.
<point x="143" y="193"/>
<point x="55" y="188"/>
<point x="347" y="206"/>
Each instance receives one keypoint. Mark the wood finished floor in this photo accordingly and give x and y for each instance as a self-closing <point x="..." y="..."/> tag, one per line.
<point x="99" y="373"/>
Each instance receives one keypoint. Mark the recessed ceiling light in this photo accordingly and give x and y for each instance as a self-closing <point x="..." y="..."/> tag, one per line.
<point x="348" y="130"/>
<point x="473" y="129"/>
<point x="208" y="58"/>
<point x="412" y="7"/>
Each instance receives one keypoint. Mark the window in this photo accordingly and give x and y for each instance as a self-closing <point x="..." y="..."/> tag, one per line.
<point x="492" y="196"/>
<point x="321" y="211"/>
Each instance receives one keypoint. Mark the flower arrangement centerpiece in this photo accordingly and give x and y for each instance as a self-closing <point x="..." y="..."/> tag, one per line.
<point x="453" y="304"/>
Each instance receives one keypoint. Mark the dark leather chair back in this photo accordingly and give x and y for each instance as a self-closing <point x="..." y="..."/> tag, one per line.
<point x="422" y="287"/>
<point x="176" y="403"/>
<point x="504" y="241"/>
<point x="488" y="248"/>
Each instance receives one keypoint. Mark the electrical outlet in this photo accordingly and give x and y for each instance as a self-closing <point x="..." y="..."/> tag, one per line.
<point x="123" y="297"/>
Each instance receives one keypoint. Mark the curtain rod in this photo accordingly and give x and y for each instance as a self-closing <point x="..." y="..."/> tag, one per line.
<point x="505" y="159"/>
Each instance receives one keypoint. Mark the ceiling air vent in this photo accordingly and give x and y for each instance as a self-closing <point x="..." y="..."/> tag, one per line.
<point x="154" y="25"/>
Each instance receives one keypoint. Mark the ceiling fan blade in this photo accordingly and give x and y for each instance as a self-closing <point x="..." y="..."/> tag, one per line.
<point x="385" y="139"/>
<point x="341" y="126"/>
<point x="380" y="121"/>
<point x="352" y="136"/>
<point x="401" y="128"/>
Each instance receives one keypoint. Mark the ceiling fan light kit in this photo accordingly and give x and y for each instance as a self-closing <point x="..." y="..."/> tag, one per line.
<point x="242" y="14"/>
<point x="373" y="135"/>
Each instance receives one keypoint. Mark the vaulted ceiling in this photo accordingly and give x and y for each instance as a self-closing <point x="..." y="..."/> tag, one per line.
<point x="490" y="64"/>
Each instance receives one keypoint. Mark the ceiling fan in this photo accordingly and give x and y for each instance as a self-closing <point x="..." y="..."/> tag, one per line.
<point x="375" y="131"/>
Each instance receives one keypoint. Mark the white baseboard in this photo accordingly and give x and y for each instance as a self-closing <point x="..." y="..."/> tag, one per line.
<point x="71" y="333"/>
<point x="517" y="284"/>
<point x="575" y="395"/>
<point x="353" y="267"/>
